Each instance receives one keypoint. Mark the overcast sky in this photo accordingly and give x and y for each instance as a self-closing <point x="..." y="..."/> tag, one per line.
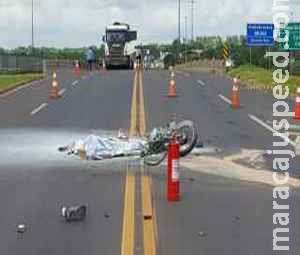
<point x="75" y="23"/>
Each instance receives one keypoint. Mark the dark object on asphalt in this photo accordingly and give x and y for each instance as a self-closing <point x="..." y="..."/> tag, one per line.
<point x="237" y="218"/>
<point x="21" y="228"/>
<point x="74" y="213"/>
<point x="107" y="215"/>
<point x="202" y="234"/>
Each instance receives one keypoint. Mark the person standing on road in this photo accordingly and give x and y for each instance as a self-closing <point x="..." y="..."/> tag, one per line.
<point x="90" y="58"/>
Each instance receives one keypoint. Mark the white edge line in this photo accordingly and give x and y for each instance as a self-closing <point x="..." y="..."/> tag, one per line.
<point x="38" y="109"/>
<point x="266" y="126"/>
<point x="225" y="99"/>
<point x="74" y="83"/>
<point x="61" y="92"/>
<point x="202" y="83"/>
<point x="21" y="87"/>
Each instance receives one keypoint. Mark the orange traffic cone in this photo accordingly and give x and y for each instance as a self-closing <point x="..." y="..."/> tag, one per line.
<point x="235" y="94"/>
<point x="104" y="69"/>
<point x="172" y="86"/>
<point x="297" y="105"/>
<point x="77" y="68"/>
<point x="54" y="88"/>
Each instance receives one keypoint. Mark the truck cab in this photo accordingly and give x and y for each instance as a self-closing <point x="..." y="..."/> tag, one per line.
<point x="119" y="46"/>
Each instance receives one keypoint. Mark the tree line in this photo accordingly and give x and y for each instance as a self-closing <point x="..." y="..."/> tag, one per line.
<point x="205" y="47"/>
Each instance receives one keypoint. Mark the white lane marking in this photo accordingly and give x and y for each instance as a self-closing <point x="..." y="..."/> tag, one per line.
<point x="266" y="126"/>
<point x="74" y="83"/>
<point x="202" y="83"/>
<point x="21" y="87"/>
<point x="225" y="99"/>
<point x="62" y="91"/>
<point x="38" y="109"/>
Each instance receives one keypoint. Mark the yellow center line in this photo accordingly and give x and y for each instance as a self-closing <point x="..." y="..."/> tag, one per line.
<point x="128" y="232"/>
<point x="138" y="116"/>
<point x="133" y="116"/>
<point x="142" y="108"/>
<point x="149" y="221"/>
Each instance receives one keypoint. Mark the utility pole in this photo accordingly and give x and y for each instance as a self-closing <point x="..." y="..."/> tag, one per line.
<point x="185" y="39"/>
<point x="192" y="19"/>
<point x="32" y="20"/>
<point x="179" y="21"/>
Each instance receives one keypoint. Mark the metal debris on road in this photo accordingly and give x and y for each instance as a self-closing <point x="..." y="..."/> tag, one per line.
<point x="21" y="228"/>
<point x="202" y="234"/>
<point x="74" y="213"/>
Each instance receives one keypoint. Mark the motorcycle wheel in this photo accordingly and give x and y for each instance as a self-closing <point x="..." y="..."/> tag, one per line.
<point x="187" y="135"/>
<point x="155" y="159"/>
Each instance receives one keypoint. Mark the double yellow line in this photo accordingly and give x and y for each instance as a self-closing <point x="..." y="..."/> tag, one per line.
<point x="148" y="216"/>
<point x="138" y="116"/>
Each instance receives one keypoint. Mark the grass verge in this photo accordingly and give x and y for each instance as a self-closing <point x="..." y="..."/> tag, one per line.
<point x="12" y="80"/>
<point x="261" y="78"/>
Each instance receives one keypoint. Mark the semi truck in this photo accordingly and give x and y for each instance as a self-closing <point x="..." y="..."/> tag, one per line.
<point x="120" y="42"/>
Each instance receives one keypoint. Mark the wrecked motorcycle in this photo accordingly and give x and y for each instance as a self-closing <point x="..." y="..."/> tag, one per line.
<point x="158" y="140"/>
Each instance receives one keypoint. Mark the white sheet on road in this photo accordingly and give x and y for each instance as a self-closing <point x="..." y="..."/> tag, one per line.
<point x="101" y="147"/>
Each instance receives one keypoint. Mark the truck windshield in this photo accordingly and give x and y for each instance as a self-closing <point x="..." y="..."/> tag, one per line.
<point x="116" y="36"/>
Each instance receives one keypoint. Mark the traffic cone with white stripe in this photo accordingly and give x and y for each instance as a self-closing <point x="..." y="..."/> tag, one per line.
<point x="54" y="87"/>
<point x="297" y="105"/>
<point x="77" y="68"/>
<point x="172" y="86"/>
<point x="235" y="94"/>
<point x="104" y="69"/>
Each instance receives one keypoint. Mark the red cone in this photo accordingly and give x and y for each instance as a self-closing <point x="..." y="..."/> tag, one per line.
<point x="235" y="94"/>
<point x="297" y="105"/>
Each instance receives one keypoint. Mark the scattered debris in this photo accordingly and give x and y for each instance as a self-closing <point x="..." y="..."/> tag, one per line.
<point x="21" y="228"/>
<point x="237" y="218"/>
<point x="107" y="215"/>
<point x="202" y="234"/>
<point x="74" y="213"/>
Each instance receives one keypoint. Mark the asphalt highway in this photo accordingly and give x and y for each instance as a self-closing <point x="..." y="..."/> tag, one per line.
<point x="216" y="215"/>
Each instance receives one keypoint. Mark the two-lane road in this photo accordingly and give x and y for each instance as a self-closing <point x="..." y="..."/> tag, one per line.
<point x="127" y="208"/>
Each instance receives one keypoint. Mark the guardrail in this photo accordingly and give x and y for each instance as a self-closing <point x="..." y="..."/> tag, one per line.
<point x="20" y="64"/>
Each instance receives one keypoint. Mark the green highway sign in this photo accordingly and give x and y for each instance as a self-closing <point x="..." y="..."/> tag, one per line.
<point x="294" y="36"/>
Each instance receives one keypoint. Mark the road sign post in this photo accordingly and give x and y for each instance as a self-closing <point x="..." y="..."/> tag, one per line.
<point x="259" y="34"/>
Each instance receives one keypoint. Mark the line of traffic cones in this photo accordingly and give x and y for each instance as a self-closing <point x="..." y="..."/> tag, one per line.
<point x="172" y="86"/>
<point x="297" y="105"/>
<point x="235" y="94"/>
<point x="54" y="93"/>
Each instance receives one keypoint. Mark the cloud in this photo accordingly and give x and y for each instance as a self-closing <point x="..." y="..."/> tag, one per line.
<point x="75" y="23"/>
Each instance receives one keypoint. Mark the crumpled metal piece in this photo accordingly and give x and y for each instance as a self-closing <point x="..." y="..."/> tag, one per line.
<point x="74" y="213"/>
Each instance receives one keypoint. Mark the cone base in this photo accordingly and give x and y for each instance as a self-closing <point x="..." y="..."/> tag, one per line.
<point x="54" y="97"/>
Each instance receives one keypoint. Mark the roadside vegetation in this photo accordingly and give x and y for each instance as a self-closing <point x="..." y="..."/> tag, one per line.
<point x="12" y="80"/>
<point x="261" y="78"/>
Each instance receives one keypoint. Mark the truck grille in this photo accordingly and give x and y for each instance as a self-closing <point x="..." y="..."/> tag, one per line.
<point x="116" y="52"/>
